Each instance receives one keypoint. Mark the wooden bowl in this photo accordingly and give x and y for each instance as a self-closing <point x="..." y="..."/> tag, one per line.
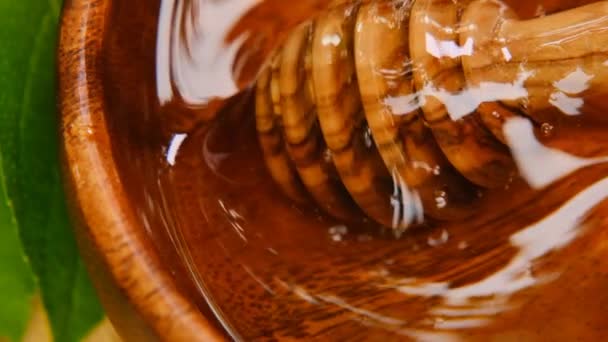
<point x="159" y="265"/>
<point x="142" y="291"/>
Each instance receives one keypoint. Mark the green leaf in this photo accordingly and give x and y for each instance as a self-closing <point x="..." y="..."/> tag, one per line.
<point x="28" y="142"/>
<point x="16" y="279"/>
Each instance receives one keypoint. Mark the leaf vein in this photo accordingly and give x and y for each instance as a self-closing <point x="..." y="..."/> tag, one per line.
<point x="34" y="58"/>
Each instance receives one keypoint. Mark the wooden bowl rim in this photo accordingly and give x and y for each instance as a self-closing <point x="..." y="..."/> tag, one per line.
<point x="107" y="219"/>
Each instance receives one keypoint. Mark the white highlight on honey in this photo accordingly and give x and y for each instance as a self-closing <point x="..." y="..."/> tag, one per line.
<point x="566" y="104"/>
<point x="547" y="235"/>
<point x="463" y="307"/>
<point x="331" y="39"/>
<point x="199" y="64"/>
<point x="406" y="203"/>
<point x="574" y="83"/>
<point x="506" y="54"/>
<point x="174" y="145"/>
<point x="163" y="54"/>
<point x="448" y="48"/>
<point x="540" y="165"/>
<point x="462" y="103"/>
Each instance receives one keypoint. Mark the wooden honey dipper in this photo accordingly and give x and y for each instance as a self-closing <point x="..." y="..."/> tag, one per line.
<point x="397" y="107"/>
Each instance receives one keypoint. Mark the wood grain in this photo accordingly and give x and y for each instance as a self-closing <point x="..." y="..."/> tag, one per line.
<point x="429" y="85"/>
<point x="137" y="291"/>
<point x="155" y="288"/>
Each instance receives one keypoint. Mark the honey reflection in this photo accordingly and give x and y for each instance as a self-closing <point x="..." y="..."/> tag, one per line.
<point x="299" y="272"/>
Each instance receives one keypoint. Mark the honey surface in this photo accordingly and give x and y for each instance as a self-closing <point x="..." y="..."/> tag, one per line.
<point x="527" y="263"/>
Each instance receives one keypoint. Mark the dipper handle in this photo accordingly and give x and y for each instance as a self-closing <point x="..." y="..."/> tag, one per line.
<point x="557" y="61"/>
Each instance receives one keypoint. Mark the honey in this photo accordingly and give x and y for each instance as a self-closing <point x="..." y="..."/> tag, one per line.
<point x="464" y="200"/>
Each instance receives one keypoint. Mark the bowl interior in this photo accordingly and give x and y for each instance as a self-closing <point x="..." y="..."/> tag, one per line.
<point x="242" y="252"/>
